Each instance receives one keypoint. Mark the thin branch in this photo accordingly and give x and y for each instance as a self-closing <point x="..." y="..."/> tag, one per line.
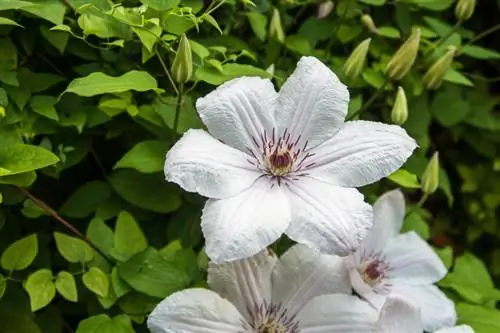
<point x="370" y="101"/>
<point x="165" y="69"/>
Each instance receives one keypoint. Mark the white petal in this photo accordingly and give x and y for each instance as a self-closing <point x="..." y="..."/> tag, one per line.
<point x="199" y="163"/>
<point x="245" y="283"/>
<point x="413" y="261"/>
<point x="238" y="110"/>
<point x="367" y="292"/>
<point x="195" y="311"/>
<point x="337" y="313"/>
<point x="388" y="216"/>
<point x="436" y="309"/>
<point x="312" y="103"/>
<point x="240" y="226"/>
<point x="399" y="316"/>
<point x="303" y="273"/>
<point x="329" y="218"/>
<point x="456" y="329"/>
<point x="361" y="153"/>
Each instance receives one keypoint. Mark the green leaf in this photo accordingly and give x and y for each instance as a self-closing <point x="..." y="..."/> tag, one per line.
<point x="161" y="5"/>
<point x="40" y="288"/>
<point x="21" y="158"/>
<point x="14" y="4"/>
<point x="129" y="238"/>
<point x="148" y="36"/>
<point x="50" y="10"/>
<point x="20" y="254"/>
<point x="96" y="281"/>
<point x="449" y="107"/>
<point x="258" y="23"/>
<point x="454" y="76"/>
<point x="25" y="179"/>
<point x="437" y="5"/>
<point x="147" y="191"/>
<point x="479" y="52"/>
<point x="58" y="39"/>
<point x="38" y="82"/>
<point x="211" y="20"/>
<point x="446" y="255"/>
<point x="149" y="273"/>
<point x="231" y="71"/>
<point x="389" y="32"/>
<point x="44" y="105"/>
<point x="481" y="319"/>
<point x="100" y="83"/>
<point x="119" y="286"/>
<point x="146" y="157"/>
<point x="91" y="324"/>
<point x="404" y="178"/>
<point x="176" y="24"/>
<point x="6" y="21"/>
<point x="188" y="117"/>
<point x="3" y="285"/>
<point x="84" y="201"/>
<point x="415" y="222"/>
<point x="73" y="249"/>
<point x="66" y="286"/>
<point x="298" y="44"/>
<point x="100" y="235"/>
<point x="374" y="2"/>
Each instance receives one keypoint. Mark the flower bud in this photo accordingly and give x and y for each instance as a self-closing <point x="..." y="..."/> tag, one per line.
<point x="430" y="178"/>
<point x="399" y="113"/>
<point x="275" y="27"/>
<point x="404" y="58"/>
<point x="367" y="20"/>
<point x="354" y="64"/>
<point x="435" y="74"/>
<point x="182" y="66"/>
<point x="464" y="9"/>
<point x="325" y="8"/>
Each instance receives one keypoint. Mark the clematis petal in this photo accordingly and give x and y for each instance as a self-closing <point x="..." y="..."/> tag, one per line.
<point x="388" y="216"/>
<point x="361" y="153"/>
<point x="240" y="226"/>
<point x="238" y="110"/>
<point x="398" y="316"/>
<point x="245" y="283"/>
<point x="195" y="311"/>
<point x="329" y="218"/>
<point x="413" y="261"/>
<point x="436" y="309"/>
<point x="456" y="329"/>
<point x="199" y="163"/>
<point x="312" y="103"/>
<point x="337" y="313"/>
<point x="303" y="273"/>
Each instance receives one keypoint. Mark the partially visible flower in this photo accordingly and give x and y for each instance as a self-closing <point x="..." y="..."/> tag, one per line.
<point x="399" y="113"/>
<point x="464" y="9"/>
<point x="284" y="162"/>
<point x="404" y="58"/>
<point x="402" y="265"/>
<point x="354" y="64"/>
<point x="367" y="20"/>
<point x="397" y="316"/>
<point x="275" y="27"/>
<point x="325" y="8"/>
<point x="430" y="178"/>
<point x="433" y="78"/>
<point x="182" y="66"/>
<point x="300" y="292"/>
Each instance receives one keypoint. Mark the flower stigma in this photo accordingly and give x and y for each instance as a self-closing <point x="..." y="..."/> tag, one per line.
<point x="373" y="272"/>
<point x="269" y="318"/>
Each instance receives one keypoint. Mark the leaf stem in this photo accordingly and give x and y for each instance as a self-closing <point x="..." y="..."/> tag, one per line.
<point x="370" y="101"/>
<point x="448" y="35"/>
<point x="180" y="101"/>
<point x="483" y="34"/>
<point x="165" y="69"/>
<point x="211" y="10"/>
<point x="51" y="212"/>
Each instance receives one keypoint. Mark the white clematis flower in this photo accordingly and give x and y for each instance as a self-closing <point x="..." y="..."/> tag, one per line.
<point x="286" y="162"/>
<point x="403" y="265"/>
<point x="399" y="316"/>
<point x="262" y="294"/>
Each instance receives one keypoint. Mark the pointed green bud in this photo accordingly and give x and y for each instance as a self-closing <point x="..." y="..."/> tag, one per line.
<point x="435" y="74"/>
<point x="354" y="64"/>
<point x="464" y="9"/>
<point x="399" y="113"/>
<point x="367" y="20"/>
<point x="430" y="178"/>
<point x="404" y="58"/>
<point x="275" y="27"/>
<point x="182" y="66"/>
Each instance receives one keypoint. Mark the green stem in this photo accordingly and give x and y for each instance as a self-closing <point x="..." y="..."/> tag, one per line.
<point x="165" y="69"/>
<point x="180" y="101"/>
<point x="210" y="10"/>
<point x="448" y="35"/>
<point x="419" y="204"/>
<point x="370" y="101"/>
<point x="483" y="34"/>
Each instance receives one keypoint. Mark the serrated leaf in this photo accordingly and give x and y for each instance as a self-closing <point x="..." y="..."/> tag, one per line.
<point x="20" y="254"/>
<point x="40" y="288"/>
<point x="129" y="238"/>
<point x="96" y="281"/>
<point x="146" y="156"/>
<point x="73" y="249"/>
<point x="100" y="83"/>
<point x="21" y="158"/>
<point x="66" y="286"/>
<point x="85" y="200"/>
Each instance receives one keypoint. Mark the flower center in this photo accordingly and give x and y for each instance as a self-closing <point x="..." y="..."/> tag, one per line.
<point x="269" y="318"/>
<point x="280" y="163"/>
<point x="374" y="271"/>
